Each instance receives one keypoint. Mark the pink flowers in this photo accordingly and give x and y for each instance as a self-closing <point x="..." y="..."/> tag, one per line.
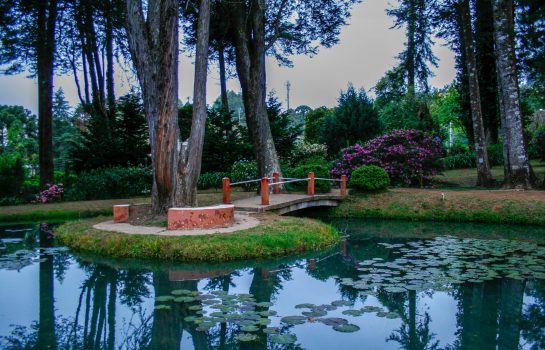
<point x="410" y="157"/>
<point x="50" y="194"/>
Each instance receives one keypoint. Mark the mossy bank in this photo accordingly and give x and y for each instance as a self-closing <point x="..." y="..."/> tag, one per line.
<point x="497" y="207"/>
<point x="276" y="236"/>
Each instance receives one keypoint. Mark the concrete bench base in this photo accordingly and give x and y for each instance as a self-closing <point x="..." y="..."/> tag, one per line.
<point x="201" y="218"/>
<point x="121" y="213"/>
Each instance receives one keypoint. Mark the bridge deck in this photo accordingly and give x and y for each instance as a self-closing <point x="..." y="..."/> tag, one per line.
<point x="284" y="202"/>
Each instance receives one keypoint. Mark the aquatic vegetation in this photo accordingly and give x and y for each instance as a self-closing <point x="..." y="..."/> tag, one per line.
<point x="346" y="328"/>
<point x="283" y="338"/>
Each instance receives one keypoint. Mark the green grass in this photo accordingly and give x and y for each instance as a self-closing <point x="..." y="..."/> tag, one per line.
<point x="457" y="207"/>
<point x="465" y="179"/>
<point x="85" y="209"/>
<point x="278" y="237"/>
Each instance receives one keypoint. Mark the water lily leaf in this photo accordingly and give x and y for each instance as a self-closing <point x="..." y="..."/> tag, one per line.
<point x="164" y="298"/>
<point x="251" y="328"/>
<point x="315" y="313"/>
<point x="332" y="321"/>
<point x="190" y="318"/>
<point x="184" y="299"/>
<point x="195" y="308"/>
<point x="181" y="292"/>
<point x="305" y="306"/>
<point x="162" y="307"/>
<point x="264" y="304"/>
<point x="271" y="330"/>
<point x="346" y="328"/>
<point x="341" y="303"/>
<point x="353" y="312"/>
<point x="263" y="322"/>
<point x="283" y="338"/>
<point x="246" y="337"/>
<point x="293" y="320"/>
<point x="267" y="313"/>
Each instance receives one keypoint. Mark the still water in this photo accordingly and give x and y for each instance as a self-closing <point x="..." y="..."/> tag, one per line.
<point x="389" y="285"/>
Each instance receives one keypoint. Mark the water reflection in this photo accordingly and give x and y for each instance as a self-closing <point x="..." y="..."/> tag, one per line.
<point x="93" y="303"/>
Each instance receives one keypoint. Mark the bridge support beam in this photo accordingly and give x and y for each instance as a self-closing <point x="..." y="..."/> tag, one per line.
<point x="310" y="189"/>
<point x="265" y="191"/>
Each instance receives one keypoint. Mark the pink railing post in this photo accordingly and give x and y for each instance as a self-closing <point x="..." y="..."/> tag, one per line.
<point x="310" y="189"/>
<point x="226" y="182"/>
<point x="343" y="185"/>
<point x="276" y="179"/>
<point x="265" y="191"/>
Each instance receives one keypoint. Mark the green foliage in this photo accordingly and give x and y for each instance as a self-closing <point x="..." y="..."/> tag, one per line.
<point x="369" y="178"/>
<point x="21" y="137"/>
<point x="468" y="159"/>
<point x="304" y="151"/>
<point x="131" y="131"/>
<point x="66" y="136"/>
<point x="211" y="180"/>
<point x="314" y="124"/>
<point x="301" y="172"/>
<point x="355" y="120"/>
<point x="106" y="183"/>
<point x="284" y="132"/>
<point x="12" y="175"/>
<point x="245" y="170"/>
<point x="538" y="144"/>
<point x="407" y="112"/>
<point x="283" y="236"/>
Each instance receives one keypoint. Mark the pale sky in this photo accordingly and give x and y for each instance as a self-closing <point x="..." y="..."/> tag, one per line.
<point x="367" y="49"/>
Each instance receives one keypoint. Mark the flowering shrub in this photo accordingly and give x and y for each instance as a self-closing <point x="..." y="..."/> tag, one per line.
<point x="410" y="157"/>
<point x="305" y="151"/>
<point x="50" y="194"/>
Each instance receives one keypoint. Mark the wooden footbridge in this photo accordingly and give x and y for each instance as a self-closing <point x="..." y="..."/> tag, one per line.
<point x="272" y="198"/>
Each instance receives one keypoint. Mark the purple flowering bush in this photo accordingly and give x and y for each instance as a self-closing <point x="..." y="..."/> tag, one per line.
<point x="50" y="194"/>
<point x="409" y="156"/>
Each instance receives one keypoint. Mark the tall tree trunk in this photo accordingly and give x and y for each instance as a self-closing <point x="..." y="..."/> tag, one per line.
<point x="249" y="39"/>
<point x="518" y="173"/>
<point x="512" y="295"/>
<point x="484" y="176"/>
<point x="410" y="59"/>
<point x="109" y="43"/>
<point x="486" y="68"/>
<point x="223" y="78"/>
<point x="47" y="13"/>
<point x="190" y="157"/>
<point x="153" y="42"/>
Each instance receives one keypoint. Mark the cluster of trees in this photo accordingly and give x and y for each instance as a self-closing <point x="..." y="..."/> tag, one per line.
<point x="89" y="36"/>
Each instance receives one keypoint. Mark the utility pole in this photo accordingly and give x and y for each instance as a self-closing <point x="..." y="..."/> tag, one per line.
<point x="288" y="89"/>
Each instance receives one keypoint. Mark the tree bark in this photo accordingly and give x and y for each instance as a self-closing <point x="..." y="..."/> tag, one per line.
<point x="484" y="176"/>
<point x="189" y="167"/>
<point x="47" y="13"/>
<point x="223" y="78"/>
<point x="518" y="173"/>
<point x="109" y="43"/>
<point x="410" y="59"/>
<point x="486" y="68"/>
<point x="249" y="40"/>
<point x="153" y="44"/>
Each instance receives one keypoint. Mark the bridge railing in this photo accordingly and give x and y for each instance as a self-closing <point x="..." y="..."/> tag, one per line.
<point x="273" y="183"/>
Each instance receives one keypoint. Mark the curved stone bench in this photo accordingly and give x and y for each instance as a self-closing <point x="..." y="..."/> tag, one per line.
<point x="201" y="217"/>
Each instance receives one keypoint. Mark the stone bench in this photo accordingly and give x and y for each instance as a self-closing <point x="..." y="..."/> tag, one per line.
<point x="201" y="217"/>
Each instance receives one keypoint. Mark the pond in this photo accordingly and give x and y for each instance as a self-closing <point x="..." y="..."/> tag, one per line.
<point x="389" y="285"/>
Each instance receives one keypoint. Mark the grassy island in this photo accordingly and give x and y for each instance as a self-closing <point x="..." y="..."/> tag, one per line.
<point x="281" y="236"/>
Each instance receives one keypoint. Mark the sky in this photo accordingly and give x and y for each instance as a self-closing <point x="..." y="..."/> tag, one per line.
<point x="367" y="49"/>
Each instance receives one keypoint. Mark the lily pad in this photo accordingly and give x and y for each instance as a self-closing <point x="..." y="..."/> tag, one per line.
<point x="305" y="306"/>
<point x="181" y="292"/>
<point x="333" y="321"/>
<point x="249" y="329"/>
<point x="184" y="299"/>
<point x="264" y="304"/>
<point x="283" y="338"/>
<point x="164" y="298"/>
<point x="346" y="328"/>
<point x="293" y="320"/>
<point x="271" y="330"/>
<point x="162" y="307"/>
<point x="341" y="303"/>
<point x="244" y="337"/>
<point x="353" y="312"/>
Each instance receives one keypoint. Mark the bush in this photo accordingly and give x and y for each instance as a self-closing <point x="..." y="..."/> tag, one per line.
<point x="319" y="170"/>
<point x="469" y="159"/>
<point x="369" y="178"/>
<point x="12" y="175"/>
<point x="538" y="144"/>
<point x="245" y="170"/>
<point x="52" y="193"/>
<point x="211" y="180"/>
<point x="107" y="183"/>
<point x="410" y="157"/>
<point x="304" y="151"/>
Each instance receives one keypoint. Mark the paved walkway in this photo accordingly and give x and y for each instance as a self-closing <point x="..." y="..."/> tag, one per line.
<point x="242" y="222"/>
<point x="286" y="202"/>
